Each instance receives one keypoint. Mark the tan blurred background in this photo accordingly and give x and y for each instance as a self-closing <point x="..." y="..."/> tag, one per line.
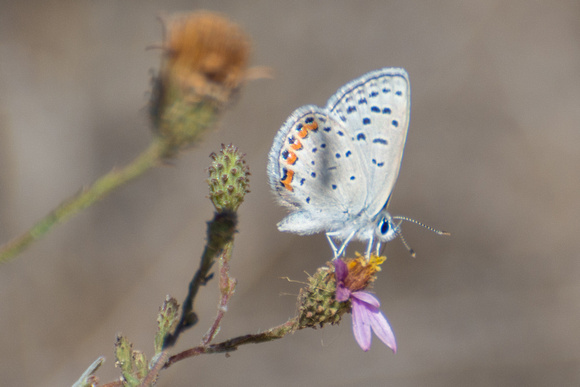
<point x="492" y="156"/>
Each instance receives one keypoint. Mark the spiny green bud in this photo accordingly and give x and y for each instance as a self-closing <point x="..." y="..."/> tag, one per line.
<point x="166" y="321"/>
<point x="126" y="361"/>
<point x="316" y="303"/>
<point x="228" y="179"/>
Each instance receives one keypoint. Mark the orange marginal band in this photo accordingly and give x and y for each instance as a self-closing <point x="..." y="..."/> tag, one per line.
<point x="291" y="159"/>
<point x="297" y="145"/>
<point x="287" y="179"/>
<point x="306" y="128"/>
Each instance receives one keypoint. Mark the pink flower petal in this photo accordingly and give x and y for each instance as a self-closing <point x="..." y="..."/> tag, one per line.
<point x="382" y="329"/>
<point x="340" y="270"/>
<point x="361" y="326"/>
<point x="367" y="297"/>
<point x="342" y="293"/>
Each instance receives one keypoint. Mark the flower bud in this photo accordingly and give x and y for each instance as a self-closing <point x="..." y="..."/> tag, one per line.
<point x="228" y="179"/>
<point x="204" y="63"/>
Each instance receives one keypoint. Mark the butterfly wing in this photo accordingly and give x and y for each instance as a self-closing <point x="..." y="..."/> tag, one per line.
<point x="375" y="108"/>
<point x="314" y="172"/>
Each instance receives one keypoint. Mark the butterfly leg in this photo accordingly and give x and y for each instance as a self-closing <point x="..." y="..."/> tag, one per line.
<point x="370" y="247"/>
<point x="338" y="251"/>
<point x="332" y="245"/>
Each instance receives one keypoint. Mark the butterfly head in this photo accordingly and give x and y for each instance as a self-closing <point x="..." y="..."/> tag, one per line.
<point x="386" y="230"/>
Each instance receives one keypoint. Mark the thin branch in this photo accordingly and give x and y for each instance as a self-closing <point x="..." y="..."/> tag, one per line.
<point x="220" y="233"/>
<point x="151" y="157"/>
<point x="232" y="344"/>
<point x="227" y="286"/>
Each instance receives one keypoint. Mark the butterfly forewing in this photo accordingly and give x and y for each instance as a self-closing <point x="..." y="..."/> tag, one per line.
<point x="375" y="109"/>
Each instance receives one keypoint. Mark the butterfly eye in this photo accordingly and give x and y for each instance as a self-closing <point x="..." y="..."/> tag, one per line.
<point x="384" y="226"/>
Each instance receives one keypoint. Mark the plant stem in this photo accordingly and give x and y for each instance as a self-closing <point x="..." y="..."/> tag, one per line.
<point x="232" y="344"/>
<point x="227" y="286"/>
<point x="151" y="157"/>
<point x="220" y="233"/>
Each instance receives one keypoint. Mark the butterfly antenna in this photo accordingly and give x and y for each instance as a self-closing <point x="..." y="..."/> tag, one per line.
<point x="400" y="234"/>
<point x="438" y="232"/>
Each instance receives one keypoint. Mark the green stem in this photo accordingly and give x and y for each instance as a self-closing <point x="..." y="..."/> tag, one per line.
<point x="151" y="157"/>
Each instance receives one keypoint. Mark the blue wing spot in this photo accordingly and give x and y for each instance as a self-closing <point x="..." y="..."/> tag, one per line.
<point x="361" y="136"/>
<point x="343" y="118"/>
<point x="299" y="127"/>
<point x="385" y="90"/>
<point x="313" y="174"/>
<point x="314" y="150"/>
<point x="350" y="109"/>
<point x="352" y="177"/>
<point x="387" y="111"/>
<point x="337" y="155"/>
<point x="374" y="161"/>
<point x="380" y="164"/>
<point x="302" y="181"/>
<point x="334" y="186"/>
<point x="308" y="199"/>
<point x="323" y="145"/>
<point x="399" y="93"/>
<point x="362" y="101"/>
<point x="309" y="120"/>
<point x="327" y="129"/>
<point x="375" y="109"/>
<point x="348" y="153"/>
<point x="285" y="154"/>
<point x="373" y="94"/>
<point x="395" y="123"/>
<point x="380" y="141"/>
<point x="291" y="140"/>
<point x="366" y="121"/>
<point x="340" y="133"/>
<point x="322" y="119"/>
<point x="312" y="162"/>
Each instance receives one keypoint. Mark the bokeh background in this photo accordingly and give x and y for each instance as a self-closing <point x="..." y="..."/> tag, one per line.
<point x="492" y="156"/>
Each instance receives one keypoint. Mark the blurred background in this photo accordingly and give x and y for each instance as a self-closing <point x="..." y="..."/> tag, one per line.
<point x="492" y="156"/>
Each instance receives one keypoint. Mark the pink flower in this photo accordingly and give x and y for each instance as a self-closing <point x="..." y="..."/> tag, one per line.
<point x="366" y="315"/>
